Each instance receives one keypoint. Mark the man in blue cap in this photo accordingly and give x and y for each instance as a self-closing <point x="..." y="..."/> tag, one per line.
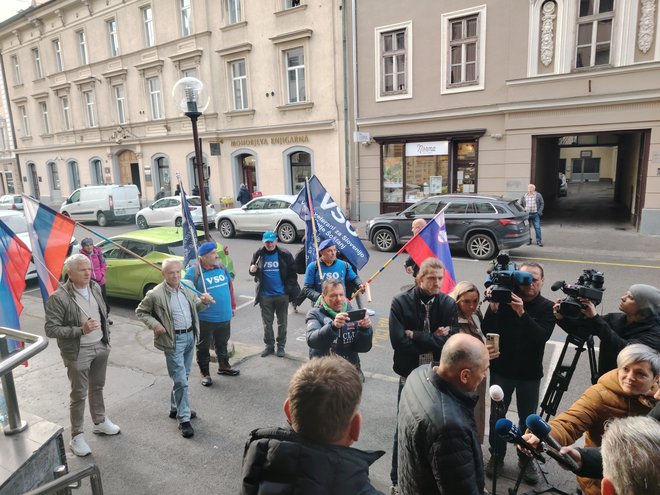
<point x="210" y="275"/>
<point x="274" y="272"/>
<point x="331" y="268"/>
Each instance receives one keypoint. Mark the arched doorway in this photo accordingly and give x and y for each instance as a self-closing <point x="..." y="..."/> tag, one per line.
<point x="129" y="169"/>
<point x="34" y="180"/>
<point x="246" y="165"/>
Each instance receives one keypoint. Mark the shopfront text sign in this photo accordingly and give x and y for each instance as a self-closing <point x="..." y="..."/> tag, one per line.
<point x="265" y="141"/>
<point x="428" y="148"/>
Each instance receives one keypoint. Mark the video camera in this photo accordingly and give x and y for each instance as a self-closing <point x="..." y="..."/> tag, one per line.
<point x="504" y="279"/>
<point x="589" y="286"/>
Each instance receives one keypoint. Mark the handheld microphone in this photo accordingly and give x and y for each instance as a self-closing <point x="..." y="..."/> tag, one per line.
<point x="496" y="393"/>
<point x="542" y="430"/>
<point x="512" y="434"/>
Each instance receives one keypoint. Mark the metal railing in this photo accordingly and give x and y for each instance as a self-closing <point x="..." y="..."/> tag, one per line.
<point x="34" y="345"/>
<point x="53" y="487"/>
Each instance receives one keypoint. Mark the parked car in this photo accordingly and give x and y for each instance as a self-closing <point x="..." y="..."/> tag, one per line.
<point x="167" y="211"/>
<point x="131" y="278"/>
<point x="480" y="225"/>
<point x="263" y="214"/>
<point x="16" y="221"/>
<point x="11" y="202"/>
<point x="103" y="204"/>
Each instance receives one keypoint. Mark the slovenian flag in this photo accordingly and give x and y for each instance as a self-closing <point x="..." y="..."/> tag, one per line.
<point x="50" y="235"/>
<point x="431" y="241"/>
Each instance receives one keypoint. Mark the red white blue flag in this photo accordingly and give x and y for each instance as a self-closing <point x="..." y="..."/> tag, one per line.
<point x="14" y="261"/>
<point x="50" y="235"/>
<point x="431" y="241"/>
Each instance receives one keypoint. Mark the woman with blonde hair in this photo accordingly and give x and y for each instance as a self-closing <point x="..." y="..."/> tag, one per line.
<point x="467" y="299"/>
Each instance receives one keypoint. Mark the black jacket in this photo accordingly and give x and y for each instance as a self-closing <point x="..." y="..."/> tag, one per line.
<point x="347" y="341"/>
<point x="522" y="339"/>
<point x="287" y="272"/>
<point x="615" y="333"/>
<point x="278" y="461"/>
<point x="407" y="313"/>
<point x="439" y="448"/>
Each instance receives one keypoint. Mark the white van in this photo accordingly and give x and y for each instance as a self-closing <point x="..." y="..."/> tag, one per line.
<point x="104" y="204"/>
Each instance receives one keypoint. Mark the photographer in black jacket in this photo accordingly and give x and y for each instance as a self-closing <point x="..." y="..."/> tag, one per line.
<point x="638" y="323"/>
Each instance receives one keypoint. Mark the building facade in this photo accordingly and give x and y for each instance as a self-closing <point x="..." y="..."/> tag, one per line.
<point x="90" y="89"/>
<point x="477" y="97"/>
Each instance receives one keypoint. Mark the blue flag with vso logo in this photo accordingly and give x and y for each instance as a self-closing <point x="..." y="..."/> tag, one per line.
<point x="331" y="223"/>
<point x="189" y="232"/>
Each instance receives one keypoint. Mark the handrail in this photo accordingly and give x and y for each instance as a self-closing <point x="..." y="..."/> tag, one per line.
<point x="57" y="484"/>
<point x="36" y="344"/>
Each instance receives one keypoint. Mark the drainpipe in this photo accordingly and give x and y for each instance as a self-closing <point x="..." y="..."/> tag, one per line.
<point x="346" y="133"/>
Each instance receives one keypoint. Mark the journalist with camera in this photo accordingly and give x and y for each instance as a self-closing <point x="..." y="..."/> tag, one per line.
<point x="638" y="322"/>
<point x="524" y="325"/>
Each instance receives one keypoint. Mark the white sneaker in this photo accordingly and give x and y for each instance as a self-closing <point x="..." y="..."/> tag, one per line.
<point x="107" y="427"/>
<point x="371" y="312"/>
<point x="79" y="446"/>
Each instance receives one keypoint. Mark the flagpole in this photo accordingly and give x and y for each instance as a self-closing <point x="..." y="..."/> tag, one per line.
<point x="388" y="262"/>
<point x="194" y="234"/>
<point x="314" y="235"/>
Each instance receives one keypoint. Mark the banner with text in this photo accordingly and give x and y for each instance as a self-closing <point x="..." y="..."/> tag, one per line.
<point x="331" y="223"/>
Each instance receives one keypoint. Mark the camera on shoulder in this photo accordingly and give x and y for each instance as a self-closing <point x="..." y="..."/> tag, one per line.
<point x="589" y="286"/>
<point x="504" y="278"/>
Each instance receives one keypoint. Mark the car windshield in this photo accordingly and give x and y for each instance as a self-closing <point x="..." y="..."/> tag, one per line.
<point x="16" y="223"/>
<point x="176" y="248"/>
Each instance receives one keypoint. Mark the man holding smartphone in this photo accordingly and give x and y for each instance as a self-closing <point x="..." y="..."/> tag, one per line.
<point x="334" y="328"/>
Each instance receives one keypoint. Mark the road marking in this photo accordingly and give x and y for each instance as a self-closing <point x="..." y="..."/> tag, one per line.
<point x="606" y="263"/>
<point x="251" y="300"/>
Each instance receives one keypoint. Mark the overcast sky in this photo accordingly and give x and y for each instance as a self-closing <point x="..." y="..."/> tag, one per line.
<point x="10" y="7"/>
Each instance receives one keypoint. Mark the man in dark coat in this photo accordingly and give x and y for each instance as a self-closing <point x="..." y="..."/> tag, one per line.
<point x="243" y="195"/>
<point x="439" y="448"/>
<point x="277" y="284"/>
<point x="313" y="456"/>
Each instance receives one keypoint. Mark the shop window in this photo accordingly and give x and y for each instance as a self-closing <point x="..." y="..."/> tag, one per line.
<point x="465" y="168"/>
<point x="300" y="164"/>
<point x="393" y="173"/>
<point x="427" y="170"/>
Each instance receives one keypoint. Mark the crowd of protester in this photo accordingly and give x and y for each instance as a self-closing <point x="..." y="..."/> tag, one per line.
<point x="440" y="354"/>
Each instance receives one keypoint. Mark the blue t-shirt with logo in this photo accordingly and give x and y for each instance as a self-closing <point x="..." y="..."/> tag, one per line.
<point x="339" y="270"/>
<point x="217" y="284"/>
<point x="271" y="281"/>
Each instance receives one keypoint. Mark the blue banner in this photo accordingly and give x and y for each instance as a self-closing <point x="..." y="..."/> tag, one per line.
<point x="189" y="233"/>
<point x="331" y="223"/>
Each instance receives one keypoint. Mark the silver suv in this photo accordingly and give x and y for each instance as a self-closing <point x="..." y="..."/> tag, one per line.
<point x="480" y="225"/>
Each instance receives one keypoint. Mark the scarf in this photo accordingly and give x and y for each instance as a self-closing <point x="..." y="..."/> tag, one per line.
<point x="331" y="311"/>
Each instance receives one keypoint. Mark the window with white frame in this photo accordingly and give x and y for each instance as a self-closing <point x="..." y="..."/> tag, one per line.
<point x="295" y="75"/>
<point x="393" y="61"/>
<point x="74" y="174"/>
<point x="233" y="11"/>
<point x="22" y="111"/>
<point x="148" y="26"/>
<point x="186" y="19"/>
<point x="16" y="69"/>
<point x="463" y="49"/>
<point x="113" y="37"/>
<point x="57" y="53"/>
<point x="189" y="72"/>
<point x="82" y="47"/>
<point x="594" y="33"/>
<point x="289" y="4"/>
<point x="153" y="84"/>
<point x="120" y="103"/>
<point x="54" y="176"/>
<point x="239" y="84"/>
<point x="463" y="33"/>
<point x="38" y="70"/>
<point x="66" y="112"/>
<point x="89" y="108"/>
<point x="45" y="123"/>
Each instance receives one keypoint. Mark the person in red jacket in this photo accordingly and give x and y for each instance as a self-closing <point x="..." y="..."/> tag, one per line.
<point x="98" y="267"/>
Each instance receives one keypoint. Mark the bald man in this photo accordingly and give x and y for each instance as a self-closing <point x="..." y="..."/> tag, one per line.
<point x="439" y="448"/>
<point x="410" y="265"/>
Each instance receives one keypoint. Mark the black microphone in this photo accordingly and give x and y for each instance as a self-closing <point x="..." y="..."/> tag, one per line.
<point x="557" y="285"/>
<point x="542" y="430"/>
<point x="512" y="434"/>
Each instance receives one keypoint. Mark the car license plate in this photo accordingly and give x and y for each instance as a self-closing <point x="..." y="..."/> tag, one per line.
<point x="119" y="211"/>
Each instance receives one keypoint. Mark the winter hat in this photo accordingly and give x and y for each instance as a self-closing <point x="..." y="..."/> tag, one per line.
<point x="326" y="244"/>
<point x="206" y="248"/>
<point x="646" y="297"/>
<point x="87" y="241"/>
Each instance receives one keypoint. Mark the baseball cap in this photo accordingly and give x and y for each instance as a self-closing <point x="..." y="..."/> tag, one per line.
<point x="206" y="248"/>
<point x="269" y="236"/>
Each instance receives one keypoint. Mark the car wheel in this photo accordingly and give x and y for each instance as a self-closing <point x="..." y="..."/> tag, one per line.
<point x="147" y="288"/>
<point x="142" y="223"/>
<point x="384" y="240"/>
<point x="286" y="233"/>
<point x="226" y="228"/>
<point x="177" y="222"/>
<point x="101" y="219"/>
<point x="481" y="247"/>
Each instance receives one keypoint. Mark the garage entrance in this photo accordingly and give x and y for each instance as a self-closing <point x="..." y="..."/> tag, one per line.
<point x="604" y="173"/>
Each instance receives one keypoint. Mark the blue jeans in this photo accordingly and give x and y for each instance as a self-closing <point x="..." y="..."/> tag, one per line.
<point x="535" y="220"/>
<point x="179" y="363"/>
<point x="527" y="399"/>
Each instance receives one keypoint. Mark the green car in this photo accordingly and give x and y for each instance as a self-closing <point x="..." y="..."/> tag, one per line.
<point x="129" y="277"/>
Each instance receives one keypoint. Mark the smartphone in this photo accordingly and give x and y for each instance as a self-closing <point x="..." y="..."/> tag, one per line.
<point x="494" y="340"/>
<point x="357" y="314"/>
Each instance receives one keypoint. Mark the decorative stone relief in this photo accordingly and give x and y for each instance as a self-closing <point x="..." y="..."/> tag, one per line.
<point x="646" y="25"/>
<point x="547" y="32"/>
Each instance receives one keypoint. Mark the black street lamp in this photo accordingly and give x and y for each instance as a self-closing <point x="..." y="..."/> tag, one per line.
<point x="192" y="99"/>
